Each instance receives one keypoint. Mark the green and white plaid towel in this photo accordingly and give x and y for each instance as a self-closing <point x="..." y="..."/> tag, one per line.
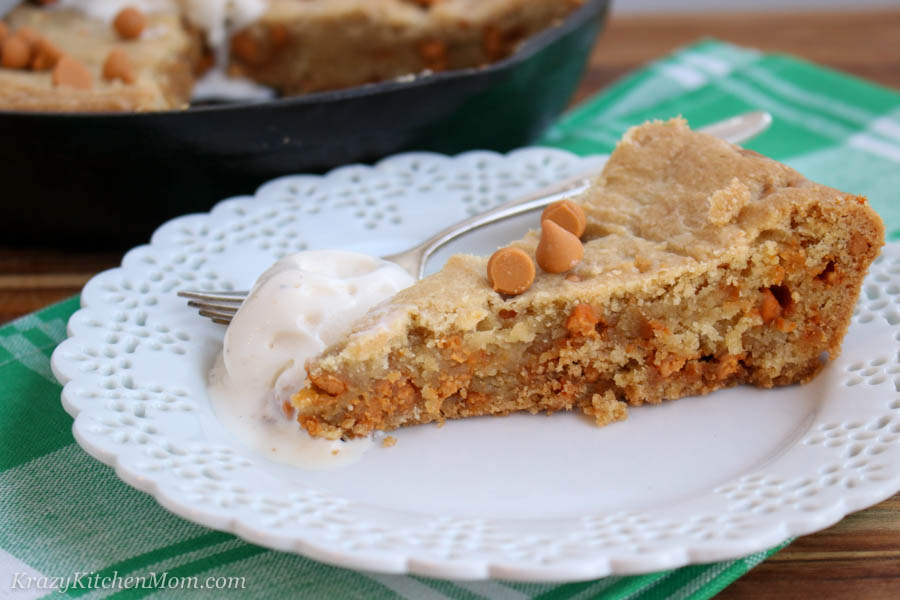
<point x="65" y="515"/>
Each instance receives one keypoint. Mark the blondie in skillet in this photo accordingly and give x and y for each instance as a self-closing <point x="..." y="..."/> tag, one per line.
<point x="71" y="62"/>
<point x="293" y="46"/>
<point x="704" y="266"/>
<point x="299" y="47"/>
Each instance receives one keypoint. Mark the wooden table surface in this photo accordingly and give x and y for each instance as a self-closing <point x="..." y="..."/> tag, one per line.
<point x="858" y="558"/>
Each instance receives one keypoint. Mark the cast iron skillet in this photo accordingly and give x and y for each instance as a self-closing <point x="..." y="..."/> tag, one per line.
<point x="108" y="180"/>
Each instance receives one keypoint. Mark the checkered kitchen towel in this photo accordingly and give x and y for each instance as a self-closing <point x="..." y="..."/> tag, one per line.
<point x="63" y="514"/>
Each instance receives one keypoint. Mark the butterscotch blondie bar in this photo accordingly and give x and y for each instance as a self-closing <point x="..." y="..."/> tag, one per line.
<point x="705" y="266"/>
<point x="142" y="62"/>
<point x="299" y="47"/>
<point x="112" y="73"/>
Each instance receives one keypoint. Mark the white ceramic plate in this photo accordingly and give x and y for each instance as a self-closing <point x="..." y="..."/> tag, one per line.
<point x="521" y="497"/>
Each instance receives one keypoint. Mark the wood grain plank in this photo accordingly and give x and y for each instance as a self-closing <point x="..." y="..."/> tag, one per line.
<point x="48" y="260"/>
<point x="31" y="278"/>
<point x="864" y="43"/>
<point x="857" y="558"/>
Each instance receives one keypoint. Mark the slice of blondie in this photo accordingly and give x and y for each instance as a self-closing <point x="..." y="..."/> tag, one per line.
<point x="300" y="47"/>
<point x="705" y="266"/>
<point x="154" y="71"/>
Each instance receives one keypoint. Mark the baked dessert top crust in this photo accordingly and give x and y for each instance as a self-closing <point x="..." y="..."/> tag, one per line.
<point x="163" y="61"/>
<point x="300" y="47"/>
<point x="670" y="202"/>
<point x="292" y="46"/>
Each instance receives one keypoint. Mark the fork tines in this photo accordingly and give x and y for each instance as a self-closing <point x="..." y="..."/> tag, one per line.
<point x="220" y="307"/>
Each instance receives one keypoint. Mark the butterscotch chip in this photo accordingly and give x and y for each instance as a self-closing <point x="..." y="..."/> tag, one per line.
<point x="329" y="384"/>
<point x="568" y="215"/>
<point x="29" y="34"/>
<point x="206" y="62"/>
<point x="769" y="308"/>
<point x="559" y="250"/>
<point x="245" y="47"/>
<point x="129" y="23"/>
<point x="858" y="244"/>
<point x="72" y="73"/>
<point x="492" y="42"/>
<point x="45" y="55"/>
<point x="642" y="264"/>
<point x="510" y="271"/>
<point x="118" y="66"/>
<point x="583" y="320"/>
<point x="16" y="52"/>
<point x="434" y="53"/>
<point x="278" y="34"/>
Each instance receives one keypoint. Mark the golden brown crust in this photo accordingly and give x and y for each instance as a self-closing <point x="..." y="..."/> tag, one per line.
<point x="300" y="47"/>
<point x="295" y="47"/>
<point x="163" y="60"/>
<point x="704" y="267"/>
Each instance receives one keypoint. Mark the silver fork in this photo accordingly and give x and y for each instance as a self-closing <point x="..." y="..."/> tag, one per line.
<point x="220" y="307"/>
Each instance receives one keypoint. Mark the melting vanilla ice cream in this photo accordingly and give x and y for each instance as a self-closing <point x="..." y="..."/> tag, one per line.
<point x="218" y="17"/>
<point x="299" y="306"/>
